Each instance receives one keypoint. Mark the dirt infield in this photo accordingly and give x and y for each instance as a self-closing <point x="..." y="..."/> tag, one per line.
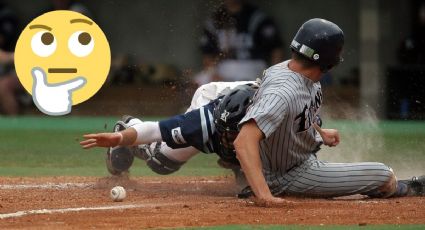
<point x="82" y="202"/>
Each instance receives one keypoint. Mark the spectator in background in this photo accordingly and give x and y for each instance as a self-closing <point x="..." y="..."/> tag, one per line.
<point x="407" y="94"/>
<point x="239" y="41"/>
<point x="9" y="83"/>
<point x="8" y="28"/>
<point x="70" y="5"/>
<point x="412" y="49"/>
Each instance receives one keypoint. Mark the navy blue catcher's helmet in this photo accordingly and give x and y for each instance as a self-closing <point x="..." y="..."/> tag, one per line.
<point x="320" y="41"/>
<point x="227" y="115"/>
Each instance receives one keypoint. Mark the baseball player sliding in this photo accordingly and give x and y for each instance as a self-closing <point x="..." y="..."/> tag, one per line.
<point x="275" y="140"/>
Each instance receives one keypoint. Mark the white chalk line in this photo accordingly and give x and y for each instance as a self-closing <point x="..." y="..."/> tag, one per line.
<point x="46" y="186"/>
<point x="66" y="210"/>
<point x="62" y="186"/>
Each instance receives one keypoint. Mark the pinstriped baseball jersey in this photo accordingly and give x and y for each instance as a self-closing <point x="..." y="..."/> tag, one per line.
<point x="284" y="108"/>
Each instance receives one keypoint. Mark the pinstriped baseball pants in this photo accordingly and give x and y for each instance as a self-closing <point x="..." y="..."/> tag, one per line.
<point x="315" y="178"/>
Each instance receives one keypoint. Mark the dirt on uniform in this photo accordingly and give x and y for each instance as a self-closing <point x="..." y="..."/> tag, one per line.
<point x="152" y="202"/>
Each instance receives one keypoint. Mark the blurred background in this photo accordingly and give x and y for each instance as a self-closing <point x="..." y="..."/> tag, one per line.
<point x="162" y="50"/>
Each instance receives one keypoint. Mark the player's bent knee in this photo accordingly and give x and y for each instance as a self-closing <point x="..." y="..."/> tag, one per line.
<point x="157" y="161"/>
<point x="388" y="187"/>
<point x="162" y="165"/>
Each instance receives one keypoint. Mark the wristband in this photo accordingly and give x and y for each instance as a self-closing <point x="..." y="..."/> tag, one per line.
<point x="121" y="138"/>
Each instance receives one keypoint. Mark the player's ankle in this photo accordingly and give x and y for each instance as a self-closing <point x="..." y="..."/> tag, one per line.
<point x="402" y="189"/>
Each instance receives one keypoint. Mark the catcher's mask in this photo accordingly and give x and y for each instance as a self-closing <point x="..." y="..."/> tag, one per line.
<point x="227" y="115"/>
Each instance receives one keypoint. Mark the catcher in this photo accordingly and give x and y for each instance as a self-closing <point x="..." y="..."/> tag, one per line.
<point x="209" y="126"/>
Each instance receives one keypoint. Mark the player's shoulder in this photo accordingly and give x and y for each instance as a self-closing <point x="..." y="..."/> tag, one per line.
<point x="279" y="79"/>
<point x="278" y="73"/>
<point x="279" y="69"/>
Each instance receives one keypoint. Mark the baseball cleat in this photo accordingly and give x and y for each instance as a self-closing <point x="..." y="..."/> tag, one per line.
<point x="416" y="186"/>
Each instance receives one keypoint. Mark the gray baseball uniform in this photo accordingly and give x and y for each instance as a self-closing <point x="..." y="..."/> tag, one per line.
<point x="284" y="109"/>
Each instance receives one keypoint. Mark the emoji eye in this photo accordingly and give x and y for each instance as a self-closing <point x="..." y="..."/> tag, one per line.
<point x="43" y="43"/>
<point x="81" y="44"/>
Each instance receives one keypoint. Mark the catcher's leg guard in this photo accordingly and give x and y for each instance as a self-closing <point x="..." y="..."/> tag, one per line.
<point x="119" y="159"/>
<point x="157" y="161"/>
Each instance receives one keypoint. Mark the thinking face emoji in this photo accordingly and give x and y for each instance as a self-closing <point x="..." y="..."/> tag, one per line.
<point x="62" y="58"/>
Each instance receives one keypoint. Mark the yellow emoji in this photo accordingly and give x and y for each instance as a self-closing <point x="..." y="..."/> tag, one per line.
<point x="62" y="58"/>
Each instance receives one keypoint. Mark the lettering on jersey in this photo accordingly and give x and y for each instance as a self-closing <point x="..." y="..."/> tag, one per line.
<point x="305" y="119"/>
<point x="176" y="133"/>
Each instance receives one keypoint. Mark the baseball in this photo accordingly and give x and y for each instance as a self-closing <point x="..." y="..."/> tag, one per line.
<point x="118" y="193"/>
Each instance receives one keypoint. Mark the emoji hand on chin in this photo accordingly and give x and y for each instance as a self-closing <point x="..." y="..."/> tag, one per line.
<point x="53" y="99"/>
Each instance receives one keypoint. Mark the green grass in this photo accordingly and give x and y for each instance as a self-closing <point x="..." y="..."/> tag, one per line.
<point x="48" y="146"/>
<point x="43" y="146"/>
<point x="39" y="146"/>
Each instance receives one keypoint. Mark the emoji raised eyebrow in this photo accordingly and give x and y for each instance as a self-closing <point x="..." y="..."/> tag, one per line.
<point x="77" y="20"/>
<point x="40" y="27"/>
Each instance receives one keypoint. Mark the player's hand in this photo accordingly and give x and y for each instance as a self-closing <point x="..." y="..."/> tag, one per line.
<point x="330" y="136"/>
<point x="271" y="202"/>
<point x="101" y="140"/>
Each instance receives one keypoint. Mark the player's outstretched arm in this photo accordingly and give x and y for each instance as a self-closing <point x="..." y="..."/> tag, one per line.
<point x="247" y="145"/>
<point x="123" y="138"/>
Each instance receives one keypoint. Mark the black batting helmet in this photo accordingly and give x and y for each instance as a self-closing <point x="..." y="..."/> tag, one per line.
<point x="320" y="41"/>
<point x="227" y="115"/>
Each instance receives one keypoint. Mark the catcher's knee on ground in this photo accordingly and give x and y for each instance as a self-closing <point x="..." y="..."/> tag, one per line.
<point x="159" y="162"/>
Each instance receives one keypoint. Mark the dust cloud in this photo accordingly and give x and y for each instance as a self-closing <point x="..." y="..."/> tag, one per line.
<point x="362" y="139"/>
